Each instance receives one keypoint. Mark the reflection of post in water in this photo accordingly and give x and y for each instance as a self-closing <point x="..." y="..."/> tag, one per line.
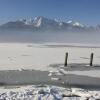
<point x="69" y="86"/>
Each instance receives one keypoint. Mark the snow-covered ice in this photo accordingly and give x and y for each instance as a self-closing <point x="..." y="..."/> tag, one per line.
<point x="38" y="56"/>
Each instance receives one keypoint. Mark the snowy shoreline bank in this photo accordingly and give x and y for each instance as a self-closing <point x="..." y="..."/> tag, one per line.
<point x="48" y="92"/>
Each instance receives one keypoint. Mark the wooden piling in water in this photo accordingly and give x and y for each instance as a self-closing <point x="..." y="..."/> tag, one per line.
<point x="66" y="58"/>
<point x="91" y="59"/>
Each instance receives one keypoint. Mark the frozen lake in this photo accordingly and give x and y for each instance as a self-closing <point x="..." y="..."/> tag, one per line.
<point x="39" y="56"/>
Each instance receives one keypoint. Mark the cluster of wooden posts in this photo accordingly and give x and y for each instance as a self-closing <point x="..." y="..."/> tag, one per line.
<point x="66" y="59"/>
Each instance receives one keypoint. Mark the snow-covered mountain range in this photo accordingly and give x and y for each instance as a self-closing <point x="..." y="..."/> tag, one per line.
<point x="41" y="23"/>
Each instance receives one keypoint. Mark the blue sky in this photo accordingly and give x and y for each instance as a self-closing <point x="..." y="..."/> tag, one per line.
<point x="84" y="11"/>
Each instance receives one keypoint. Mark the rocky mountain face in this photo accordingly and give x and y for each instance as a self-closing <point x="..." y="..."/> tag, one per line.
<point x="41" y="23"/>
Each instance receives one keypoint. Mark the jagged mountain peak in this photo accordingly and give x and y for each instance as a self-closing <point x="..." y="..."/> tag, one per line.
<point x="40" y="17"/>
<point x="78" y="24"/>
<point x="43" y="21"/>
<point x="38" y="21"/>
<point x="75" y="23"/>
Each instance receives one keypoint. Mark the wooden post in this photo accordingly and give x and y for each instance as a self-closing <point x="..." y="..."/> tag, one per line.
<point x="66" y="58"/>
<point x="91" y="59"/>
